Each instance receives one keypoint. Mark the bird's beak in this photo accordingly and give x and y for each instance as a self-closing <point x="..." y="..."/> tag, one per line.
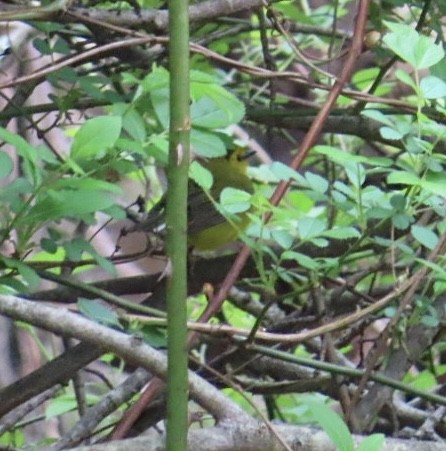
<point x="248" y="154"/>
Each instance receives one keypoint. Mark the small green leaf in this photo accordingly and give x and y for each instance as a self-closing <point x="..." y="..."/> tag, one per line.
<point x="160" y="101"/>
<point x="341" y="157"/>
<point x="405" y="78"/>
<point x="68" y="203"/>
<point x="332" y="424"/>
<point x="356" y="174"/>
<point x="95" y="137"/>
<point x="435" y="182"/>
<point x="29" y="153"/>
<point x="42" y="46"/>
<point x="310" y="227"/>
<point x="6" y="164"/>
<point x="154" y="336"/>
<point x="237" y="317"/>
<point x="403" y="177"/>
<point x="374" y="442"/>
<point x="425" y="236"/>
<point x="301" y="259"/>
<point x="430" y="320"/>
<point x="418" y="50"/>
<point x="432" y="87"/>
<point x="203" y="85"/>
<point x="206" y="113"/>
<point x="316" y="182"/>
<point x="423" y="381"/>
<point x="398" y="202"/>
<point x="342" y="233"/>
<point x="60" y="405"/>
<point x="235" y="200"/>
<point x="29" y="276"/>
<point x="282" y="238"/>
<point x="206" y="144"/>
<point x="284" y="172"/>
<point x="98" y="312"/>
<point x="390" y="133"/>
<point x="200" y="175"/>
<point x="378" y="116"/>
<point x="402" y="220"/>
<point x="364" y="78"/>
<point x="134" y="125"/>
<point x="319" y="242"/>
<point x="48" y="245"/>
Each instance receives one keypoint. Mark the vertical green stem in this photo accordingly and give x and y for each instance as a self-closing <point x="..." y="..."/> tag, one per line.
<point x="176" y="220"/>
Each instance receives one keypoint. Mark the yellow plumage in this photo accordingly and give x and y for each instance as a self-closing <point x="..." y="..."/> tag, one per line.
<point x="208" y="229"/>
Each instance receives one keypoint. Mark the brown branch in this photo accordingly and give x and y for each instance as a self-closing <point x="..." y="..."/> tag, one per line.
<point x="57" y="371"/>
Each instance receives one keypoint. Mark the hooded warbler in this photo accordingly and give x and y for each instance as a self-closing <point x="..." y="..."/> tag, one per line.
<point x="208" y="229"/>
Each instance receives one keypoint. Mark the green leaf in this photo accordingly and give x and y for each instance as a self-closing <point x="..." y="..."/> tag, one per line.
<point x="42" y="46"/>
<point x="69" y="204"/>
<point x="419" y="51"/>
<point x="48" y="245"/>
<point x="160" y="102"/>
<point x="405" y="78"/>
<point x="316" y="182"/>
<point x="282" y="238"/>
<point x="341" y="157"/>
<point x="332" y="424"/>
<point x="378" y="116"/>
<point x="134" y="125"/>
<point x="95" y="137"/>
<point x="98" y="312"/>
<point x="78" y="246"/>
<point x="434" y="182"/>
<point x="29" y="153"/>
<point x="284" y="172"/>
<point x="61" y="46"/>
<point x="200" y="175"/>
<point x="301" y="259"/>
<point x="30" y="277"/>
<point x="398" y="202"/>
<point x="390" y="133"/>
<point x="6" y="164"/>
<point x="60" y="405"/>
<point x="204" y="85"/>
<point x="402" y="220"/>
<point x="342" y="233"/>
<point x="356" y="174"/>
<point x="430" y="319"/>
<point x="432" y="87"/>
<point x="207" y="114"/>
<point x="213" y="106"/>
<point x="207" y="145"/>
<point x="423" y="381"/>
<point x="403" y="178"/>
<point x="374" y="442"/>
<point x="154" y="336"/>
<point x="319" y="242"/>
<point x="235" y="200"/>
<point x="237" y="317"/>
<point x="425" y="236"/>
<point x="364" y="78"/>
<point x="310" y="227"/>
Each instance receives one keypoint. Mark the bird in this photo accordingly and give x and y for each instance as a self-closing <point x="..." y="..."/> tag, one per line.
<point x="208" y="229"/>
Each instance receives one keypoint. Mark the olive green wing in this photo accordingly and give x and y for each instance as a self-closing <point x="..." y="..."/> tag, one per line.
<point x="201" y="212"/>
